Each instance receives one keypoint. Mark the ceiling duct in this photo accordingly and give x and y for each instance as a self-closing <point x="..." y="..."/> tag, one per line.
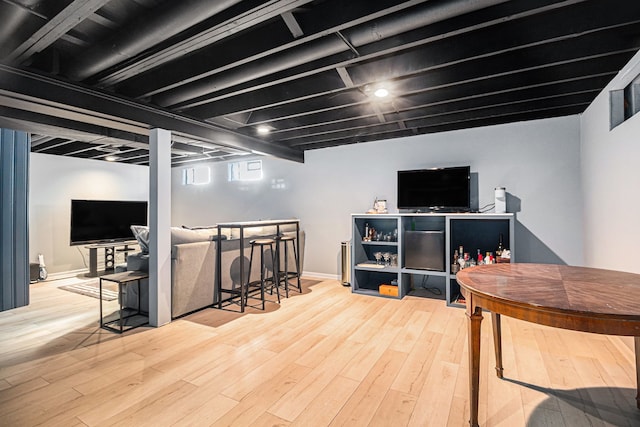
<point x="145" y="33"/>
<point x="373" y="31"/>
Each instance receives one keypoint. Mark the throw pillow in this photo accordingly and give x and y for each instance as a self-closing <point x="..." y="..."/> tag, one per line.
<point x="141" y="233"/>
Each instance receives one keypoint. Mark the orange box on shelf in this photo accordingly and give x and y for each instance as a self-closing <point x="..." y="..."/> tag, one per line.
<point x="388" y="290"/>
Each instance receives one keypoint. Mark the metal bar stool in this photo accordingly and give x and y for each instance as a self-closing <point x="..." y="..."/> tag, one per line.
<point x="262" y="244"/>
<point x="285" y="275"/>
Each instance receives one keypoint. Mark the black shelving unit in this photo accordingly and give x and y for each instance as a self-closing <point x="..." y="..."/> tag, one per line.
<point x="472" y="231"/>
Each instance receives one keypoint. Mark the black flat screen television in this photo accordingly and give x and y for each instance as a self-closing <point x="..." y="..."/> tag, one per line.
<point x="105" y="221"/>
<point x="438" y="189"/>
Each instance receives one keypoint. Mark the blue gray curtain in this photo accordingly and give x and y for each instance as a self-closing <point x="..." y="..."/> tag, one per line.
<point x="14" y="212"/>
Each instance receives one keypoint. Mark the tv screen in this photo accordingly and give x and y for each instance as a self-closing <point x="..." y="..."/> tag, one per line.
<point x="104" y="221"/>
<point x="439" y="189"/>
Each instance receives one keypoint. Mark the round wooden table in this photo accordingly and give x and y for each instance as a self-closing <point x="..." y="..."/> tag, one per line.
<point x="577" y="298"/>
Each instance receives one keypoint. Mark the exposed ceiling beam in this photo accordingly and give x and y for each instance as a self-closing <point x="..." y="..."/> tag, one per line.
<point x="292" y="24"/>
<point x="159" y="23"/>
<point x="479" y="68"/>
<point x="189" y="92"/>
<point x="60" y="93"/>
<point x="344" y="75"/>
<point x="440" y="98"/>
<point x="210" y="107"/>
<point x="55" y="28"/>
<point x="203" y="39"/>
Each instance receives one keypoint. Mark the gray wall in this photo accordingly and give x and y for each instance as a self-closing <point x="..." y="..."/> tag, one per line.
<point x="54" y="181"/>
<point x="611" y="175"/>
<point x="538" y="162"/>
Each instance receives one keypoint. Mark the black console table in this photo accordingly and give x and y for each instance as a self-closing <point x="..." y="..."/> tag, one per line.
<point x="242" y="225"/>
<point x="110" y="250"/>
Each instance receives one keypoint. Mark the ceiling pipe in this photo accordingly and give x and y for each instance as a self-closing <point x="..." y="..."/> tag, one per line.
<point x="358" y="36"/>
<point x="207" y="37"/>
<point x="144" y="34"/>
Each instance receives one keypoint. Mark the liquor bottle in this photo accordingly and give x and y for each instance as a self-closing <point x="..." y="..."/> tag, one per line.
<point x="461" y="259"/>
<point x="455" y="267"/>
<point x="479" y="257"/>
<point x="500" y="247"/>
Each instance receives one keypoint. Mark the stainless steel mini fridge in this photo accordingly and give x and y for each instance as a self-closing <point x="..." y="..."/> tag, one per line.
<point x="424" y="250"/>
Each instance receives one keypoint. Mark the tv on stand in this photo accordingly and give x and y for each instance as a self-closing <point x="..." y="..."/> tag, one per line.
<point x="105" y="224"/>
<point x="105" y="221"/>
<point x="435" y="190"/>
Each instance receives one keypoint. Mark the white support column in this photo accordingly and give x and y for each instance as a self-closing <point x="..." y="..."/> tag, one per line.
<point x="159" y="227"/>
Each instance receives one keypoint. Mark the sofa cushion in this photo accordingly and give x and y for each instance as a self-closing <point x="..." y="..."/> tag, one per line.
<point x="138" y="261"/>
<point x="179" y="235"/>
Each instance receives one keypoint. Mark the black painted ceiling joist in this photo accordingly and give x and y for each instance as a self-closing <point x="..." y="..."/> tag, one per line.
<point x="101" y="105"/>
<point x="304" y="68"/>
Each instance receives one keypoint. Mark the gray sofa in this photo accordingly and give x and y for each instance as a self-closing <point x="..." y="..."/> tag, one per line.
<point x="193" y="265"/>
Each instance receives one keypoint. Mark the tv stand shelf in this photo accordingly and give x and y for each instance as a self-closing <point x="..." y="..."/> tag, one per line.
<point x="110" y="250"/>
<point x="447" y="231"/>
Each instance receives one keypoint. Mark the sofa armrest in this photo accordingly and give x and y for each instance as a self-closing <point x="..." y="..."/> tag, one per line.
<point x="192" y="276"/>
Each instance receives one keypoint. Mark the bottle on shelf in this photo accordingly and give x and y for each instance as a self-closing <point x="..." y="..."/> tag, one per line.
<point x="480" y="258"/>
<point x="461" y="260"/>
<point x="455" y="267"/>
<point x="500" y="247"/>
<point x="366" y="231"/>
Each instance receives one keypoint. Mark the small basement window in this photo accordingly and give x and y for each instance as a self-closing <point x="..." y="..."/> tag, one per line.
<point x="625" y="103"/>
<point x="250" y="170"/>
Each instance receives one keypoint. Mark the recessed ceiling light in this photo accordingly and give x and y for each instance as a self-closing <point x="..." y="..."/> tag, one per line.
<point x="381" y="92"/>
<point x="111" y="158"/>
<point x="263" y="129"/>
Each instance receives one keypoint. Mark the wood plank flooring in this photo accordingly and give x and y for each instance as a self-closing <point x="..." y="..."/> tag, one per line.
<point x="323" y="358"/>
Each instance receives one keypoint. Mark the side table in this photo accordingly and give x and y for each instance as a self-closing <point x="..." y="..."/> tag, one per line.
<point x="123" y="279"/>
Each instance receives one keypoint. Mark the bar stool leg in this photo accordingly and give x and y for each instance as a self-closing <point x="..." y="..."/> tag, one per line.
<point x="263" y="269"/>
<point x="295" y="257"/>
<point x="275" y="279"/>
<point x="244" y="294"/>
<point x="286" y="269"/>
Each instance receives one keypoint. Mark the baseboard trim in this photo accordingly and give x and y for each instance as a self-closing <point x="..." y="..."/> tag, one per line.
<point x="310" y="274"/>
<point x="73" y="273"/>
<point x="66" y="274"/>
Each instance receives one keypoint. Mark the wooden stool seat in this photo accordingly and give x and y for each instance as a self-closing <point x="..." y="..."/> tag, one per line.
<point x="262" y="242"/>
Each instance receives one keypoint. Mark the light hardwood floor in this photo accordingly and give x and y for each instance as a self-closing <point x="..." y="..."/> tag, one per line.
<point x="324" y="358"/>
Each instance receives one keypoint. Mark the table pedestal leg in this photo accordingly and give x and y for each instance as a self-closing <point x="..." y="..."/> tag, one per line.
<point x="637" y="342"/>
<point x="475" y="319"/>
<point x="497" y="342"/>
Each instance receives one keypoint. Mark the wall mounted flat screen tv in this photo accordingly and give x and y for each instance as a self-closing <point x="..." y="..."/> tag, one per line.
<point x="105" y="221"/>
<point x="438" y="189"/>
